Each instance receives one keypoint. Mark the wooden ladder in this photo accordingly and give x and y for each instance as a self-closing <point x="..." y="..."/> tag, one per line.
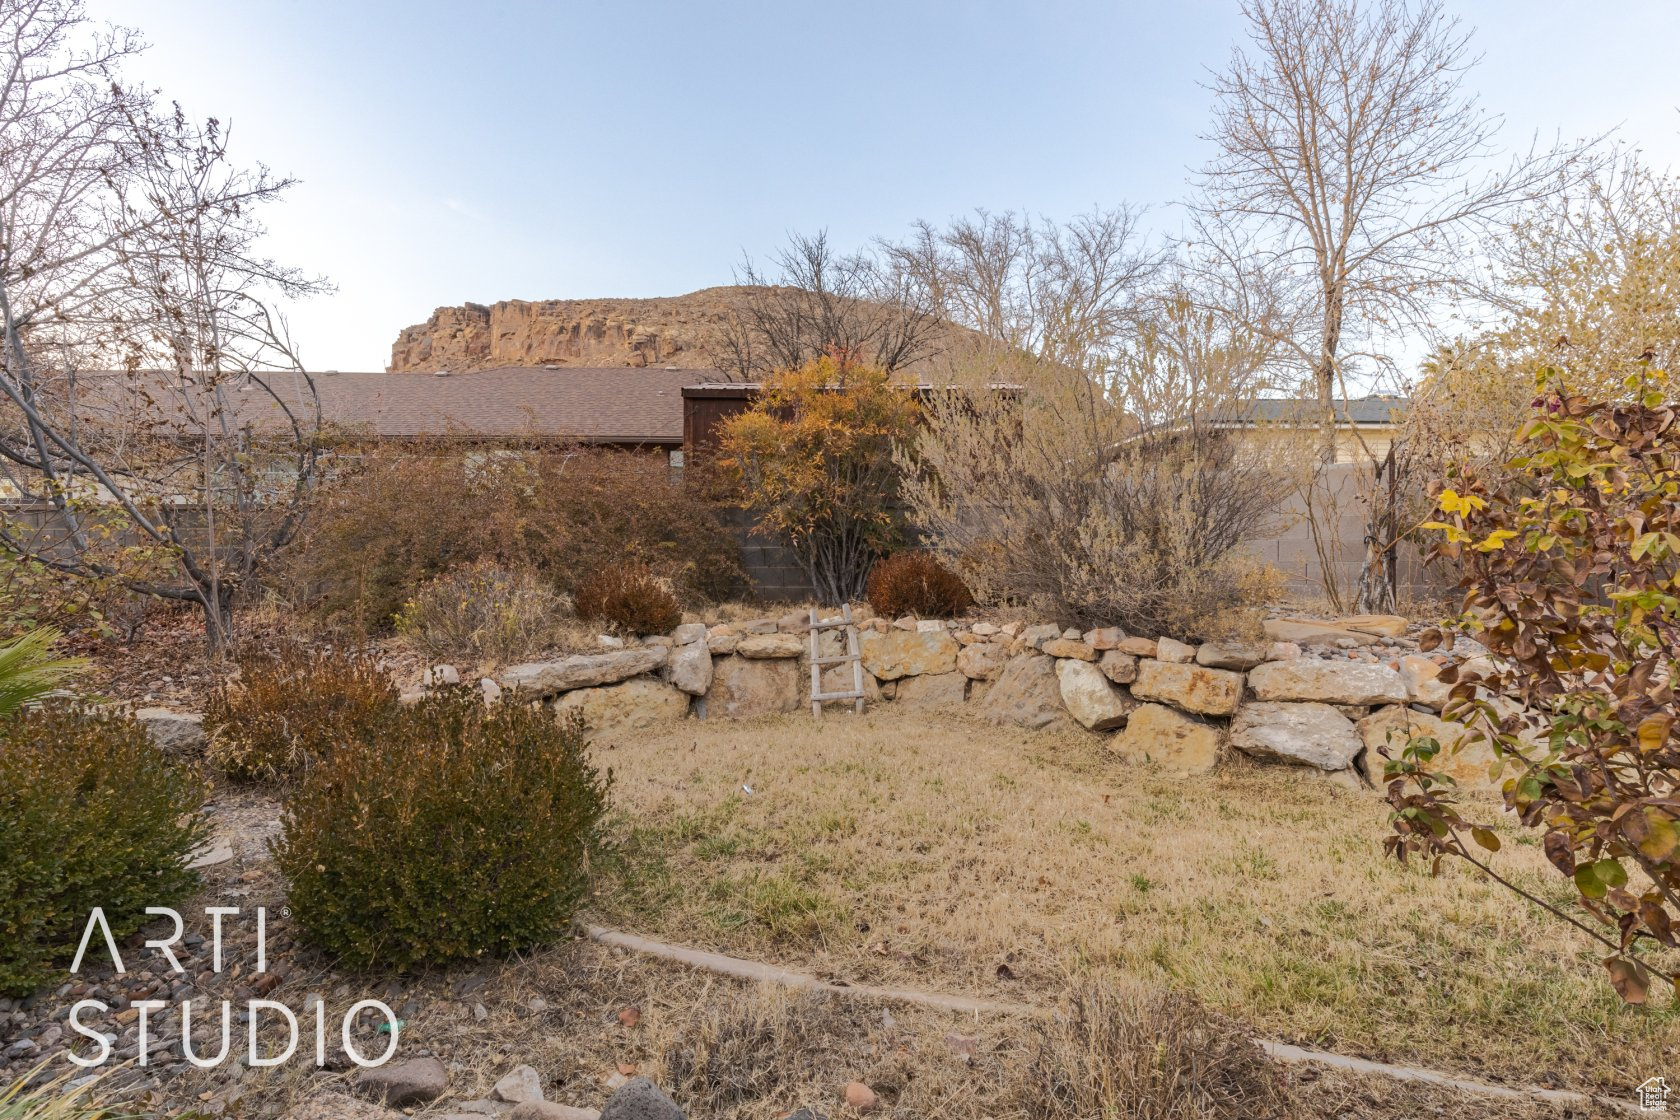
<point x="818" y="662"/>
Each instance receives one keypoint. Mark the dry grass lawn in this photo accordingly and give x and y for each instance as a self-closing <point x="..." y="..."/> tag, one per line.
<point x="942" y="854"/>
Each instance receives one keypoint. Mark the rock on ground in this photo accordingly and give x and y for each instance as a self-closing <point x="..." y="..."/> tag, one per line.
<point x="689" y="668"/>
<point x="908" y="653"/>
<point x="932" y="690"/>
<point x="640" y="1099"/>
<point x="519" y="1085"/>
<point x="584" y="670"/>
<point x="396" y="1084"/>
<point x="1026" y="694"/>
<point x="1210" y="692"/>
<point x="1308" y="632"/>
<point x="617" y="710"/>
<point x="1327" y="682"/>
<point x="1088" y="696"/>
<point x="171" y="730"/>
<point x="1420" y="676"/>
<point x="743" y="688"/>
<point x="1302" y="734"/>
<point x="1176" y="742"/>
<point x="1069" y="647"/>
<point x="1380" y="625"/>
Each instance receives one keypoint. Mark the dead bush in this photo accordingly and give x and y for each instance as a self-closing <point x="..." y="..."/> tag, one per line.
<point x="401" y="516"/>
<point x="1106" y="496"/>
<point x="484" y="611"/>
<point x="1123" y="1051"/>
<point x="628" y="597"/>
<point x="752" y="1046"/>
<point x="915" y="582"/>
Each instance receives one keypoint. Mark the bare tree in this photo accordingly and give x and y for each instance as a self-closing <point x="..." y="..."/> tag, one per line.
<point x="1066" y="294"/>
<point x="1356" y="169"/>
<point x="819" y="302"/>
<point x="129" y="241"/>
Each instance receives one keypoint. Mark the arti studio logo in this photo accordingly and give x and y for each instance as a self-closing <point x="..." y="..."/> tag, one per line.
<point x="1653" y="1095"/>
<point x="256" y="1009"/>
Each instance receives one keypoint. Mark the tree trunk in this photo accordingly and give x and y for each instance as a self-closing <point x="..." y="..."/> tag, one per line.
<point x="1377" y="574"/>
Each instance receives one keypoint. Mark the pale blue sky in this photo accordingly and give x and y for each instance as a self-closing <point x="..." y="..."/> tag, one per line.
<point x="485" y="151"/>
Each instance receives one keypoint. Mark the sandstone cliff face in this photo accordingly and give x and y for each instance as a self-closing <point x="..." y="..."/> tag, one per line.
<point x="577" y="332"/>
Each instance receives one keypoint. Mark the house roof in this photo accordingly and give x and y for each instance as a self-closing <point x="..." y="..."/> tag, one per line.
<point x="592" y="405"/>
<point x="1376" y="411"/>
<point x="615" y="405"/>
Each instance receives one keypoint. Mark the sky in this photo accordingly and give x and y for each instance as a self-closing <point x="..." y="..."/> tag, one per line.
<point x="485" y="151"/>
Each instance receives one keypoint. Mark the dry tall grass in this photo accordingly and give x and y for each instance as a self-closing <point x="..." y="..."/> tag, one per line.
<point x="947" y="855"/>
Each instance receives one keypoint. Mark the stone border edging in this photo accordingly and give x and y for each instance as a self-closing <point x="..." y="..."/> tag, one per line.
<point x="1278" y="1051"/>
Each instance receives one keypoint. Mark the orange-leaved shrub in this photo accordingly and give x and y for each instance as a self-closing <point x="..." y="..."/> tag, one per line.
<point x="448" y="831"/>
<point x="915" y="582"/>
<point x="628" y="597"/>
<point x="291" y="707"/>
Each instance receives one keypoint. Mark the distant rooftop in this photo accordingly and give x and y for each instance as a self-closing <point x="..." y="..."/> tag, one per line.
<point x="1359" y="411"/>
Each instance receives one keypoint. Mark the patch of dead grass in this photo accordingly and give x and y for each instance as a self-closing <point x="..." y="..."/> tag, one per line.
<point x="947" y="855"/>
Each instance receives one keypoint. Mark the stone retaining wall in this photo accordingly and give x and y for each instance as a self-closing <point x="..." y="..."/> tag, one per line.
<point x="1321" y="696"/>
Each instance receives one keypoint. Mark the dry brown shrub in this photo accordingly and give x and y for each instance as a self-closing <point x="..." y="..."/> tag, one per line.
<point x="628" y="597"/>
<point x="758" y="1045"/>
<point x="483" y="610"/>
<point x="915" y="582"/>
<point x="1124" y="1051"/>
<point x="405" y="515"/>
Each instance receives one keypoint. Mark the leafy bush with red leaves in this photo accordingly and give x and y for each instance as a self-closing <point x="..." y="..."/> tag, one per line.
<point x="916" y="583"/>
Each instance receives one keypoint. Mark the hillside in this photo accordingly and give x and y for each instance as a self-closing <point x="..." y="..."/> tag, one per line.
<point x="670" y="330"/>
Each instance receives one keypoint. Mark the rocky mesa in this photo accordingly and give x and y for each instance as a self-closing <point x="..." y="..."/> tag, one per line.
<point x="671" y="330"/>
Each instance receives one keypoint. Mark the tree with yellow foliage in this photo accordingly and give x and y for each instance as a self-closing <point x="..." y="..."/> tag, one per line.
<point x="814" y="457"/>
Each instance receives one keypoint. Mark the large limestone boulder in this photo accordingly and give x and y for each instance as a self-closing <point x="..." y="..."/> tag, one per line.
<point x="746" y="687"/>
<point x="1309" y="632"/>
<point x="1421" y="676"/>
<point x="690" y="668"/>
<point x="1172" y="740"/>
<point x="1089" y="698"/>
<point x="584" y="670"/>
<point x="932" y="690"/>
<point x="1174" y="652"/>
<point x="1026" y="694"/>
<point x="1299" y="734"/>
<point x="1069" y="647"/>
<point x="172" y="731"/>
<point x="1239" y="657"/>
<point x="769" y="647"/>
<point x="909" y="653"/>
<point x="982" y="662"/>
<point x="1210" y="692"/>
<point x="1326" y="682"/>
<point x="1466" y="762"/>
<point x="616" y="710"/>
<point x="839" y="678"/>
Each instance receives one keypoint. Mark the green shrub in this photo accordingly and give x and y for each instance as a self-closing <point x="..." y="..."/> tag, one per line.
<point x="484" y="611"/>
<point x="453" y="830"/>
<point x="91" y="814"/>
<point x="629" y="597"/>
<point x="916" y="583"/>
<point x="405" y="517"/>
<point x="291" y="707"/>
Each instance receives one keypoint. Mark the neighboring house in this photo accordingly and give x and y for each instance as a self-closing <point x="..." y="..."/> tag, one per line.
<point x="1365" y="426"/>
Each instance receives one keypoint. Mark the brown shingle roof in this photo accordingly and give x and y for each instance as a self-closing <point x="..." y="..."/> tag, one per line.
<point x="593" y="405"/>
<point x="618" y="405"/>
